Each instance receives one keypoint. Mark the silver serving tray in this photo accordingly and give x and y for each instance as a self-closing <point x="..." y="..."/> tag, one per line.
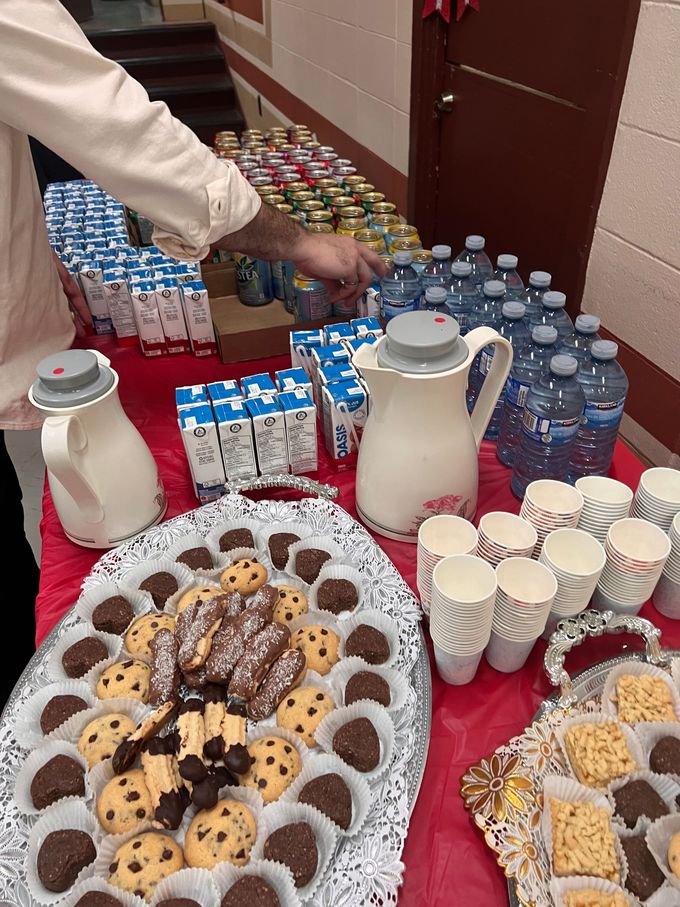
<point x="367" y="866"/>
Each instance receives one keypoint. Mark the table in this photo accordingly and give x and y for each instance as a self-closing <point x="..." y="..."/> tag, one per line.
<point x="447" y="862"/>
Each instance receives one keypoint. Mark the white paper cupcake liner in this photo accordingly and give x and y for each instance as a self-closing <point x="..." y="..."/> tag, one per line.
<point x="109" y="844"/>
<point x="323" y="543"/>
<point x="637" y="669"/>
<point x="72" y="814"/>
<point x="277" y="814"/>
<point x="339" y="571"/>
<point x="74" y="727"/>
<point x="277" y="875"/>
<point x="255" y="526"/>
<point x="55" y="669"/>
<point x="28" y="732"/>
<point x="650" y="732"/>
<point x="560" y="887"/>
<point x="296" y="527"/>
<point x="94" y="596"/>
<point x="196" y="540"/>
<point x="381" y="721"/>
<point x="245" y="795"/>
<point x="634" y="744"/>
<point x="362" y="797"/>
<point x="185" y="579"/>
<point x="198" y="884"/>
<point x="664" y="785"/>
<point x="675" y="672"/>
<point x="380" y="621"/>
<point x="657" y="838"/>
<point x="96" y="884"/>
<point x="348" y="667"/>
<point x="34" y="762"/>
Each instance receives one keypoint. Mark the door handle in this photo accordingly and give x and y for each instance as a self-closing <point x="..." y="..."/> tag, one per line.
<point x="445" y="101"/>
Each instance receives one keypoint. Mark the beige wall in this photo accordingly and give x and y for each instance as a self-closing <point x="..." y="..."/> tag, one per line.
<point x="633" y="280"/>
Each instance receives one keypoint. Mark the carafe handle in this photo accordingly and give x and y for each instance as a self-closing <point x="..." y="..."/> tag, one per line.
<point x="494" y="381"/>
<point x="61" y="436"/>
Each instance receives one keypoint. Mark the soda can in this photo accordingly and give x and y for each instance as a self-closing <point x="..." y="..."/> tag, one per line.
<point x="343" y="162"/>
<point x="327" y="158"/>
<point x="384" y="208"/>
<point x="320" y="217"/>
<point x="372" y="239"/>
<point x="328" y="196"/>
<point x="297" y="186"/>
<point x="275" y="200"/>
<point x="349" y="226"/>
<point x="284" y="208"/>
<point x="225" y="134"/>
<point x="368" y="199"/>
<point x="402" y="232"/>
<point x="305" y="195"/>
<point x="383" y="222"/>
<point x="259" y="171"/>
<point x="303" y="208"/>
<point x="285" y="179"/>
<point x="296" y="127"/>
<point x="421" y="257"/>
<point x="310" y="165"/>
<point x="258" y="182"/>
<point x="341" y="173"/>
<point x="286" y="147"/>
<point x="320" y="227"/>
<point x="324" y="149"/>
<point x="311" y="146"/>
<point x="269" y="191"/>
<point x="337" y="205"/>
<point x="246" y="165"/>
<point x="353" y="212"/>
<point x="321" y="184"/>
<point x="254" y="279"/>
<point x="312" y="301"/>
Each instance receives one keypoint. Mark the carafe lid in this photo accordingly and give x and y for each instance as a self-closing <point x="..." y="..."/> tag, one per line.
<point x="71" y="378"/>
<point x="422" y="343"/>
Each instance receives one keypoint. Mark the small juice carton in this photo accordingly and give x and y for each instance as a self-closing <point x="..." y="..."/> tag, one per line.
<point x="300" y="416"/>
<point x="345" y="410"/>
<point x="198" y="318"/>
<point x="220" y="391"/>
<point x="256" y="385"/>
<point x="235" y="429"/>
<point x="269" y="428"/>
<point x="367" y="327"/>
<point x="190" y="394"/>
<point x="119" y="302"/>
<point x="92" y="281"/>
<point x="301" y="345"/>
<point x="169" y="302"/>
<point x="292" y="379"/>
<point x="331" y="374"/>
<point x="148" y="319"/>
<point x="335" y="333"/>
<point x="202" y="446"/>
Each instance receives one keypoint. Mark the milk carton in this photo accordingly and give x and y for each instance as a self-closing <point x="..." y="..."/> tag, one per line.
<point x="300" y="417"/>
<point x="335" y="333"/>
<point x="236" y="439"/>
<point x="353" y="345"/>
<point x="198" y="318"/>
<point x="301" y="345"/>
<point x="345" y="410"/>
<point x="169" y="302"/>
<point x="119" y="303"/>
<point x="256" y="385"/>
<point x="202" y="446"/>
<point x="334" y="354"/>
<point x="367" y="327"/>
<point x="331" y="374"/>
<point x="292" y="379"/>
<point x="270" y="434"/>
<point x="147" y="319"/>
<point x="220" y="391"/>
<point x="92" y="282"/>
<point x="187" y="273"/>
<point x="190" y="394"/>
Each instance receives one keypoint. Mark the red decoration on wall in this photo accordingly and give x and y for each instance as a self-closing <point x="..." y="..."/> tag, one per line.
<point x="443" y="7"/>
<point x="463" y="5"/>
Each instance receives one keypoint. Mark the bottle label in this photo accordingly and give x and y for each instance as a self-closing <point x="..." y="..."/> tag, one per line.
<point x="485" y="360"/>
<point x="516" y="392"/>
<point x="603" y="415"/>
<point x="391" y="308"/>
<point x="552" y="432"/>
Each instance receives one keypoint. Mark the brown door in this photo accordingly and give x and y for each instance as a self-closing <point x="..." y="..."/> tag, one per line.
<point x="521" y="154"/>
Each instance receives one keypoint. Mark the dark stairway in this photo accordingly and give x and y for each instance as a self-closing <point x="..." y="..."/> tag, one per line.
<point x="182" y="65"/>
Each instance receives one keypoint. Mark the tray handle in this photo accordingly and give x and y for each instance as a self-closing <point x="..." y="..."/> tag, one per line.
<point x="296" y="483"/>
<point x="575" y="630"/>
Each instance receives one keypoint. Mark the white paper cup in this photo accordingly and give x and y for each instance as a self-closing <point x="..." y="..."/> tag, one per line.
<point x="379" y="718"/>
<point x="277" y="875"/>
<point x="525" y="583"/>
<point x="507" y="534"/>
<point x="462" y="604"/>
<point x="573" y="553"/>
<point x="507" y="655"/>
<point x="445" y="535"/>
<point x="34" y="762"/>
<point x="28" y="731"/>
<point x="338" y="571"/>
<point x="55" y="668"/>
<point x="602" y="493"/>
<point x="554" y="497"/>
<point x="348" y="667"/>
<point x="666" y="597"/>
<point x="456" y="670"/>
<point x="602" y="601"/>
<point x="637" y="543"/>
<point x="95" y="595"/>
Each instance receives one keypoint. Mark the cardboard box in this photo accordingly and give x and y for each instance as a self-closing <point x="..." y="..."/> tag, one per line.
<point x="182" y="10"/>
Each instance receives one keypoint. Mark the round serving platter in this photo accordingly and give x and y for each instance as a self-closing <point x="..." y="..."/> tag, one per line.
<point x="366" y="868"/>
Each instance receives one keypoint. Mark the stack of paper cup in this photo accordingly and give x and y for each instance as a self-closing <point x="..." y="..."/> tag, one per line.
<point x="463" y="597"/>
<point x="526" y="591"/>
<point x="666" y="597"/>
<point x="636" y="554"/>
<point x="604" y="502"/>
<point x="549" y="505"/>
<point x="439" y="537"/>
<point x="503" y="535"/>
<point x="577" y="560"/>
<point x="657" y="498"/>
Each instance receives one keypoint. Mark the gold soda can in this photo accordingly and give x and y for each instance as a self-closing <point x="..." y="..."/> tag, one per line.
<point x="421" y="256"/>
<point x="349" y="226"/>
<point x="383" y="222"/>
<point x="322" y="216"/>
<point x="304" y="195"/>
<point x="351" y="182"/>
<point x="402" y="231"/>
<point x="268" y="190"/>
<point x="329" y="195"/>
<point x="275" y="200"/>
<point x="372" y="239"/>
<point x="403" y="245"/>
<point x="353" y="211"/>
<point x="363" y="187"/>
<point x="320" y="228"/>
<point x="297" y="186"/>
<point x="385" y="208"/>
<point x="368" y="199"/>
<point x="309" y="205"/>
<point x="284" y="208"/>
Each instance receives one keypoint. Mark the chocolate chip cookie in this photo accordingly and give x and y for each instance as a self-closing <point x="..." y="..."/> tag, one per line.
<point x="291" y="603"/>
<point x="225" y="833"/>
<point x="319" y="645"/>
<point x="102" y="735"/>
<point x="302" y="710"/>
<point x="125" y="678"/>
<point x="140" y="864"/>
<point x="274" y="765"/>
<point x="244" y="576"/>
<point x="124" y="802"/>
<point x="144" y="629"/>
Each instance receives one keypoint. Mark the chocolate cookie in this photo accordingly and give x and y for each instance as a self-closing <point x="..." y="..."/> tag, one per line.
<point x="60" y="777"/>
<point x="302" y="710"/>
<point x="143" y="630"/>
<point x="331" y="796"/>
<point x="357" y="744"/>
<point x="369" y="644"/>
<point x="283" y="675"/>
<point x="337" y="595"/>
<point x="62" y="856"/>
<point x="279" y="543"/>
<point x="178" y="902"/>
<point x="140" y="864"/>
<point x="236" y="538"/>
<point x="367" y="685"/>
<point x="124" y="803"/>
<point x="161" y="586"/>
<point x="98" y="899"/>
<point x="308" y="563"/>
<point x="250" y="890"/>
<point x="644" y="876"/>
<point x="638" y="798"/>
<point x="294" y="845"/>
<point x="113" y="615"/>
<point x="290" y="604"/>
<point x="196" y="558"/>
<point x="125" y="678"/>
<point x="225" y="833"/>
<point x="665" y="756"/>
<point x="83" y="655"/>
<point x="274" y="765"/>
<point x="58" y="710"/>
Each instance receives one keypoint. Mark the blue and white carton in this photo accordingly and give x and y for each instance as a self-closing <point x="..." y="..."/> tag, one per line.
<point x="299" y="413"/>
<point x="235" y="430"/>
<point x="367" y="327"/>
<point x="202" y="446"/>
<point x="190" y="394"/>
<point x="221" y="391"/>
<point x="256" y="385"/>
<point x="169" y="302"/>
<point x="334" y="333"/>
<point x="331" y="374"/>
<point x="92" y="281"/>
<point x="344" y="412"/>
<point x="301" y="345"/>
<point x="269" y="428"/>
<point x="292" y="379"/>
<point x="353" y="345"/>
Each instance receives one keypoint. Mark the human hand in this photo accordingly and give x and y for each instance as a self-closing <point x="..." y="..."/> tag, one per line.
<point x="342" y="264"/>
<point x="81" y="313"/>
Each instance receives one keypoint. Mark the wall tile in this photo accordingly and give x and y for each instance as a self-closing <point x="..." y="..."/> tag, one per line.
<point x="401" y="141"/>
<point x="402" y="78"/>
<point x="340" y="50"/>
<point x="340" y="105"/>
<point x="404" y="20"/>
<point x="375" y="126"/>
<point x="347" y="11"/>
<point x="287" y="26"/>
<point x="378" y="56"/>
<point x="379" y="16"/>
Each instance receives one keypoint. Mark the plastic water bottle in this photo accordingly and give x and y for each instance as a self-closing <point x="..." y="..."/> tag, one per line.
<point x="578" y="343"/>
<point x="553" y="313"/>
<point x="605" y="386"/>
<point x="437" y="272"/>
<point x="513" y="327"/>
<point x="435" y="300"/>
<point x="532" y="297"/>
<point x="400" y="288"/>
<point x="489" y="312"/>
<point x="506" y="270"/>
<point x="527" y="367"/>
<point x="474" y="254"/>
<point x="552" y="416"/>
<point x="463" y="297"/>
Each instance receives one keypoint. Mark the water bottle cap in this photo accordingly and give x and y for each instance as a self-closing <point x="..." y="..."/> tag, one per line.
<point x="514" y="309"/>
<point x="540" y="279"/>
<point x="494" y="288"/>
<point x="544" y="334"/>
<point x="402" y="258"/>
<point x="441" y="252"/>
<point x="461" y="269"/>
<point x="422" y="343"/>
<point x="587" y="324"/>
<point x="563" y="365"/>
<point x="604" y="349"/>
<point x="474" y="243"/>
<point x="71" y="378"/>
<point x="553" y="299"/>
<point x="435" y="294"/>
<point x="507" y="262"/>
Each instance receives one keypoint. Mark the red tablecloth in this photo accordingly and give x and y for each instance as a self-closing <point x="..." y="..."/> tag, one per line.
<point x="447" y="862"/>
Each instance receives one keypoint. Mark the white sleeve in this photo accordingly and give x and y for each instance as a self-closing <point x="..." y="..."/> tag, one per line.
<point x="55" y="86"/>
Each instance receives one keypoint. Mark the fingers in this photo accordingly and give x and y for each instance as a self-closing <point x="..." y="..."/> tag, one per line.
<point x="373" y="260"/>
